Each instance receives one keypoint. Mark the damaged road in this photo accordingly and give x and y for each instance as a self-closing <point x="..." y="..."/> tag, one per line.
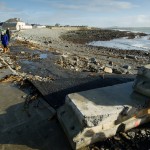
<point x="41" y="69"/>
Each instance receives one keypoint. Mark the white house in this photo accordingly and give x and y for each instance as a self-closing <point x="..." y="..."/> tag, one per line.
<point x="15" y="24"/>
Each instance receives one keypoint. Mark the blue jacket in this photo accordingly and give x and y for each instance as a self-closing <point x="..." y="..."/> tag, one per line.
<point x="4" y="39"/>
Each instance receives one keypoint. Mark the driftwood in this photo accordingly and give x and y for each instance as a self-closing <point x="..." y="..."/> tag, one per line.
<point x="95" y="134"/>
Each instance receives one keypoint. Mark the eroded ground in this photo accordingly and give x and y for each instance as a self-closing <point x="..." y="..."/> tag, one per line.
<point x="57" y="59"/>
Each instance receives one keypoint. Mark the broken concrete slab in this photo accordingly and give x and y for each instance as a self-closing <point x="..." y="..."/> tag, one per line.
<point x="142" y="81"/>
<point x="55" y="91"/>
<point x="102" y="108"/>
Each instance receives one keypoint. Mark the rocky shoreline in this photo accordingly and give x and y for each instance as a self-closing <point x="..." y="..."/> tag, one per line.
<point x="78" y="56"/>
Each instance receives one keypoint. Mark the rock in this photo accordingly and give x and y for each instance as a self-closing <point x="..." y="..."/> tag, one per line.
<point x="46" y="42"/>
<point x="131" y="57"/>
<point x="17" y="67"/>
<point x="93" y="60"/>
<point x="93" y="68"/>
<point x="143" y="132"/>
<point x="142" y="81"/>
<point x="22" y="52"/>
<point x="24" y="96"/>
<point x="125" y="136"/>
<point x="111" y="63"/>
<point x="127" y="67"/>
<point x="131" y="134"/>
<point x="1" y="65"/>
<point x="65" y="55"/>
<point x="119" y="71"/>
<point x="117" y="138"/>
<point x="72" y="62"/>
<point x="108" y="70"/>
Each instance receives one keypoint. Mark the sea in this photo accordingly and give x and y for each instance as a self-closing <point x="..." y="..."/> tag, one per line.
<point x="138" y="43"/>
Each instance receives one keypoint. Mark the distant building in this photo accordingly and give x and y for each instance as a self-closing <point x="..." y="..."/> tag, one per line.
<point x="15" y="24"/>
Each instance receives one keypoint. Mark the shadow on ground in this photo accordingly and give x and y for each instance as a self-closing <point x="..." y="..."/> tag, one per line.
<point x="55" y="92"/>
<point x="20" y="131"/>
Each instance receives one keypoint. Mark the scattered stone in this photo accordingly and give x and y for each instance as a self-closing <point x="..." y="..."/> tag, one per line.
<point x="22" y="52"/>
<point x="117" y="138"/>
<point x="131" y="134"/>
<point x="125" y="135"/>
<point x="108" y="70"/>
<point x="24" y="96"/>
<point x="143" y="132"/>
<point x="93" y="68"/>
<point x="131" y="57"/>
<point x="127" y="67"/>
<point x="111" y="63"/>
<point x="93" y="60"/>
<point x="119" y="71"/>
<point x="17" y="67"/>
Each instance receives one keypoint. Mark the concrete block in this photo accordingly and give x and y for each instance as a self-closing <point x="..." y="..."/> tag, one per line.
<point x="142" y="81"/>
<point x="97" y="111"/>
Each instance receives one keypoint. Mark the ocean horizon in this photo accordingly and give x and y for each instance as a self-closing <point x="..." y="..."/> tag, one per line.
<point x="133" y="29"/>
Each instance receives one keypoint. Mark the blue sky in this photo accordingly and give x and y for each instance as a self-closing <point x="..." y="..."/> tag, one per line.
<point x="98" y="13"/>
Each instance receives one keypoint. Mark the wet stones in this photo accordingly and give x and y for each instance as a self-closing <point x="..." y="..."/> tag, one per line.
<point x="91" y="65"/>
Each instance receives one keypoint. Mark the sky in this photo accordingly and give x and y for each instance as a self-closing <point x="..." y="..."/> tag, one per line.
<point x="96" y="13"/>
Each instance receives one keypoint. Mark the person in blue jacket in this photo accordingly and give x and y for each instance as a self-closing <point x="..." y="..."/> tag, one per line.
<point x="4" y="39"/>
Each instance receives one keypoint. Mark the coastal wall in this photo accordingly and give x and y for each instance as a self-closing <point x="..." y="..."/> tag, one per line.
<point x="70" y="28"/>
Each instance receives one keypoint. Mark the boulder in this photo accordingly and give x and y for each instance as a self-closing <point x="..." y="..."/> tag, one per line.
<point x="142" y="81"/>
<point x="108" y="70"/>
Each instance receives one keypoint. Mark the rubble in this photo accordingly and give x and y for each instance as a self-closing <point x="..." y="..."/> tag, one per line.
<point x="99" y="114"/>
<point x="78" y="63"/>
<point x="72" y="60"/>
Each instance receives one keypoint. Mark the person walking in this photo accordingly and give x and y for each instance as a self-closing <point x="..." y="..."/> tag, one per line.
<point x="8" y="34"/>
<point x="4" y="39"/>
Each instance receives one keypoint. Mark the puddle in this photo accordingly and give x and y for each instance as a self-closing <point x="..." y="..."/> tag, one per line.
<point x="43" y="56"/>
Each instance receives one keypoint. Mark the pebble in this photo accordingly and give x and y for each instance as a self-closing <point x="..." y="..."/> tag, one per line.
<point x="131" y="134"/>
<point x="108" y="70"/>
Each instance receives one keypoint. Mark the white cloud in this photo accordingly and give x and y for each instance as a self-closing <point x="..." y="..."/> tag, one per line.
<point x="132" y="21"/>
<point x="5" y="8"/>
<point x="95" y="5"/>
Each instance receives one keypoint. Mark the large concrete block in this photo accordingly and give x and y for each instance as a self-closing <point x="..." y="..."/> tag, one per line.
<point x="88" y="116"/>
<point x="142" y="81"/>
